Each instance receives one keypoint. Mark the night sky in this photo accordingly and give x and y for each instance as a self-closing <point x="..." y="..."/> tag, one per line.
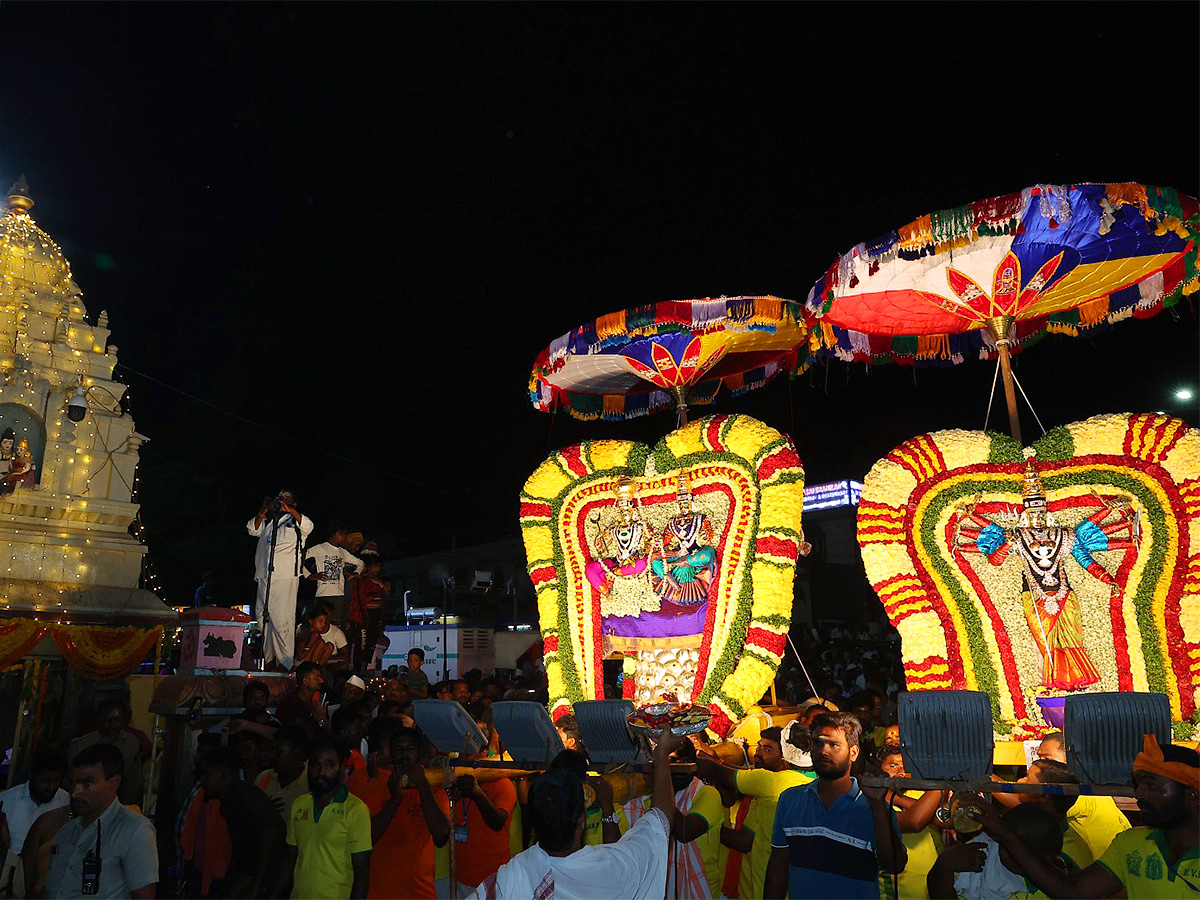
<point x="352" y="227"/>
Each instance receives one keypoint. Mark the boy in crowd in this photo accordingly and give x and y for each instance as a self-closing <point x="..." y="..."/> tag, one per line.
<point x="418" y="681"/>
<point x="326" y="644"/>
<point x="326" y="564"/>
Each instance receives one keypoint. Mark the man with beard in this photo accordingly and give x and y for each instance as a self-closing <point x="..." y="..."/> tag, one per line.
<point x="830" y="839"/>
<point x="328" y="833"/>
<point x="24" y="803"/>
<point x="106" y="850"/>
<point x="773" y="773"/>
<point x="1158" y="860"/>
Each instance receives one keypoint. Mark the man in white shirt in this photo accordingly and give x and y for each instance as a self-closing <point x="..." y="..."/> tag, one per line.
<point x="279" y="640"/>
<point x="106" y="850"/>
<point x="326" y="564"/>
<point x="560" y="867"/>
<point x="43" y="792"/>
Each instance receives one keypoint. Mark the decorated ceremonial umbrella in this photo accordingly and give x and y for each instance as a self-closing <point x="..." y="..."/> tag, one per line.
<point x="996" y="275"/>
<point x="648" y="358"/>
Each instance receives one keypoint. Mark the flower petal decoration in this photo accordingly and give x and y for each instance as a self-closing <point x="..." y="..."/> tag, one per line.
<point x="717" y="615"/>
<point x="938" y="523"/>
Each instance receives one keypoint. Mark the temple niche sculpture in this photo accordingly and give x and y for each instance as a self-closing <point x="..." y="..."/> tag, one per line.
<point x="66" y="502"/>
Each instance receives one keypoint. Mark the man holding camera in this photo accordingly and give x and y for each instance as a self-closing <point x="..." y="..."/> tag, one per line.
<point x="278" y="564"/>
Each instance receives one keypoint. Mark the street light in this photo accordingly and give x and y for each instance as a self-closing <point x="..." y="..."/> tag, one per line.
<point x="1183" y="394"/>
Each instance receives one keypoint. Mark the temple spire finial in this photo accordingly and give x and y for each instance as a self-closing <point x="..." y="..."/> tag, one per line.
<point x="18" y="196"/>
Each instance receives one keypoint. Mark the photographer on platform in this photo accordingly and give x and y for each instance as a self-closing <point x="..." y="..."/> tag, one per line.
<point x="281" y="530"/>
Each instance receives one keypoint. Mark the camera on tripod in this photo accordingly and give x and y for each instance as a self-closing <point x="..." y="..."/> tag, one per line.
<point x="274" y="507"/>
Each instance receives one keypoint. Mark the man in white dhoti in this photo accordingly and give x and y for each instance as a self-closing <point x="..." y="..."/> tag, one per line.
<point x="279" y="631"/>
<point x="560" y="867"/>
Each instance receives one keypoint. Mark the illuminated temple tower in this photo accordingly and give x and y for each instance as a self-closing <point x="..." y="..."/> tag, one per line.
<point x="66" y="552"/>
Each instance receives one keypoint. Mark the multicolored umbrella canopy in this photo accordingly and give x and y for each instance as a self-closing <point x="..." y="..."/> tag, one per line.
<point x="989" y="278"/>
<point x="650" y="358"/>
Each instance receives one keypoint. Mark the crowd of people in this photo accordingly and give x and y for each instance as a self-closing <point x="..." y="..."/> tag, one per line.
<point x="332" y="791"/>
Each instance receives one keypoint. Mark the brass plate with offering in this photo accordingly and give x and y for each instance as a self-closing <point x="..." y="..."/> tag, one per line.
<point x="682" y="718"/>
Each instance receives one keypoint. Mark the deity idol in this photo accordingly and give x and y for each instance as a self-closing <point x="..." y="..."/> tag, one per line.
<point x="7" y="450"/>
<point x="687" y="561"/>
<point x="623" y="544"/>
<point x="1050" y="604"/>
<point x="21" y="472"/>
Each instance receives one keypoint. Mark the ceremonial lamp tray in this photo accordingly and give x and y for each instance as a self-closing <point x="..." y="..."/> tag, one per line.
<point x="683" y="718"/>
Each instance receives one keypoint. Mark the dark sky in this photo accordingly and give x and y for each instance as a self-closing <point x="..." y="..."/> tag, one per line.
<point x="355" y="225"/>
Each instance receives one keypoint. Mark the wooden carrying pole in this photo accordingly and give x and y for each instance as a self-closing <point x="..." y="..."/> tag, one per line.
<point x="999" y="327"/>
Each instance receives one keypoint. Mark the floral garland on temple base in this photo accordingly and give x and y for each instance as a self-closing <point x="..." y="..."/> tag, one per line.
<point x="960" y="623"/>
<point x="98" y="652"/>
<point x="742" y="642"/>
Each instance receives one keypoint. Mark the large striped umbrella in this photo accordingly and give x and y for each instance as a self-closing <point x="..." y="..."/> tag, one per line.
<point x="988" y="278"/>
<point x="649" y="358"/>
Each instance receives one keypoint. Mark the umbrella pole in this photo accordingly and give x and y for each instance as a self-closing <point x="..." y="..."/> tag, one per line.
<point x="680" y="405"/>
<point x="999" y="327"/>
<point x="1010" y="395"/>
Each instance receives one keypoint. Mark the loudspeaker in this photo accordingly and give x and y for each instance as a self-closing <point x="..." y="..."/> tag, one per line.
<point x="448" y="726"/>
<point x="946" y="735"/>
<point x="604" y="727"/>
<point x="525" y="729"/>
<point x="1103" y="733"/>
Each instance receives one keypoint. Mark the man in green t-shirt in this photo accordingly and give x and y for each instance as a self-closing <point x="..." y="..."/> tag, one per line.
<point x="328" y="833"/>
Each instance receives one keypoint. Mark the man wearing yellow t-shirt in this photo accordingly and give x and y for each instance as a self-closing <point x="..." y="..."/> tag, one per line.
<point x="773" y="774"/>
<point x="328" y="833"/>
<point x="1159" y="860"/>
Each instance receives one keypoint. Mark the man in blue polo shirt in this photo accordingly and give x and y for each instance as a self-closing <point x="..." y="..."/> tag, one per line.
<point x="830" y="838"/>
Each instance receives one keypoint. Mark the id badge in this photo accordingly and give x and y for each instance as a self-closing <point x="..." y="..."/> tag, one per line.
<point x="460" y="834"/>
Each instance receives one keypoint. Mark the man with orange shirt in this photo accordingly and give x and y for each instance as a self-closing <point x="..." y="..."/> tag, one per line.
<point x="408" y="817"/>
<point x="481" y="820"/>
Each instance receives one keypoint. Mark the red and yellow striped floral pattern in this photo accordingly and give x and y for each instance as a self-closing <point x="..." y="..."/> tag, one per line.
<point x="961" y="620"/>
<point x="755" y="475"/>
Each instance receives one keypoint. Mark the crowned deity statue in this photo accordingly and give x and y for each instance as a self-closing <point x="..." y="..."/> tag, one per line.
<point x="687" y="561"/>
<point x="8" y="450"/>
<point x="622" y="545"/>
<point x="1051" y="606"/>
<point x="20" y="472"/>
